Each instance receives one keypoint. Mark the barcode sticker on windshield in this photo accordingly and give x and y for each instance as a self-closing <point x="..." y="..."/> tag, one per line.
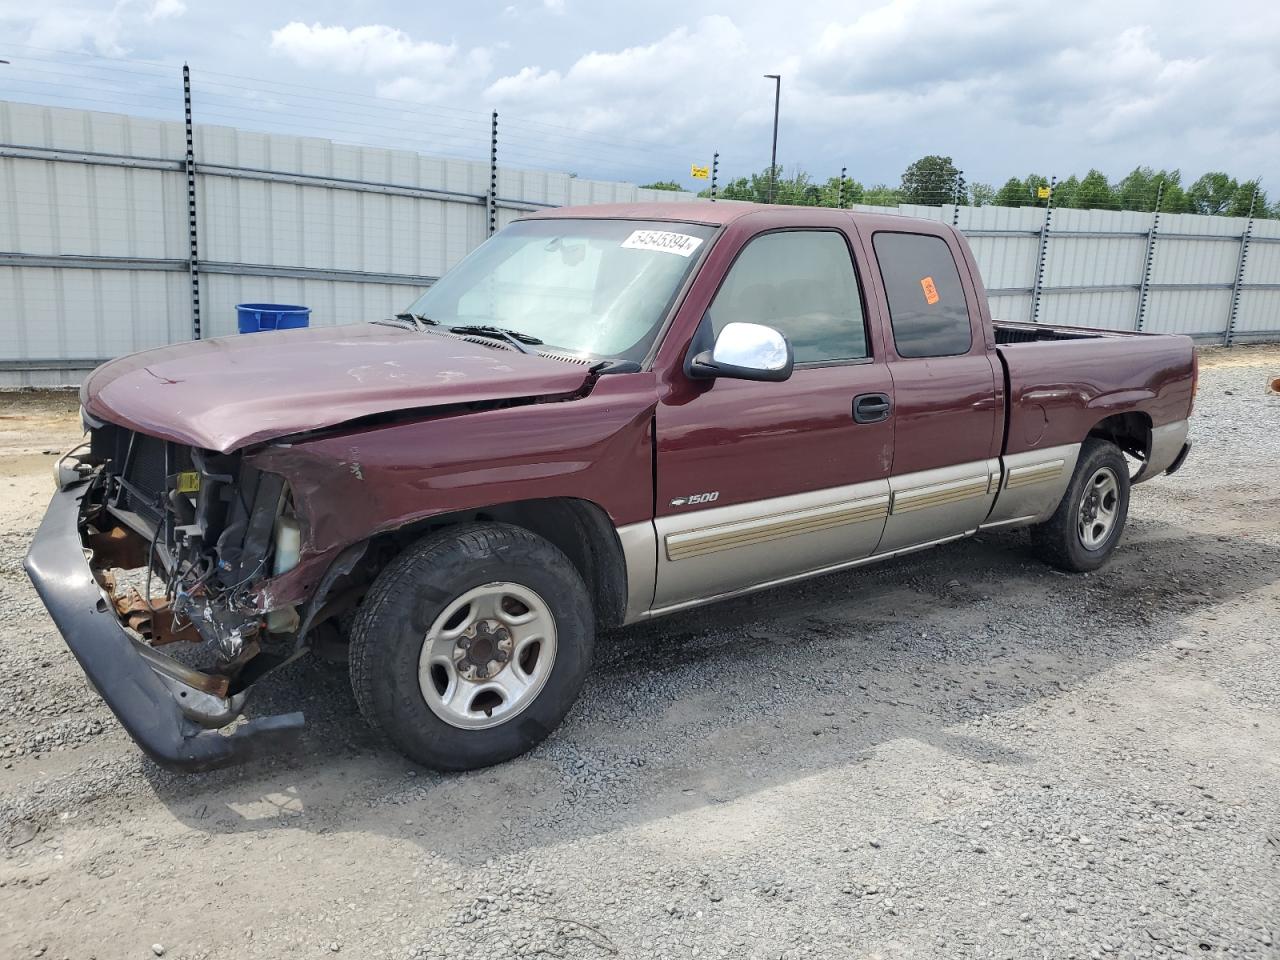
<point x="664" y="241"/>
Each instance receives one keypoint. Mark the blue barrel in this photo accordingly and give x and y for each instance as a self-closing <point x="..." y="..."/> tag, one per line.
<point x="256" y="317"/>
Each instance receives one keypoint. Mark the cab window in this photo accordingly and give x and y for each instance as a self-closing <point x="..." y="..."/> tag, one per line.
<point x="927" y="309"/>
<point x="802" y="283"/>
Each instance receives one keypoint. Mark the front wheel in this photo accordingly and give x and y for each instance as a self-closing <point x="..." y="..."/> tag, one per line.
<point x="1084" y="530"/>
<point x="472" y="646"/>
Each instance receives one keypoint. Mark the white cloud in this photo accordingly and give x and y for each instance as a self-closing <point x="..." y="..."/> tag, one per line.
<point x="107" y="30"/>
<point x="402" y="66"/>
<point x="165" y="9"/>
<point x="1005" y="86"/>
<point x="74" y="29"/>
<point x="655" y="90"/>
<point x="370" y="49"/>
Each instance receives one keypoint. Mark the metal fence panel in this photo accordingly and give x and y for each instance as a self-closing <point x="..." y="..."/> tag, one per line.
<point x="1266" y="228"/>
<point x="1194" y="223"/>
<point x="281" y="224"/>
<point x="1109" y="310"/>
<point x="1025" y="219"/>
<point x="1259" y="315"/>
<point x="1006" y="263"/>
<point x="100" y="211"/>
<point x="1263" y="265"/>
<point x="1014" y="308"/>
<point x="94" y="239"/>
<point x="68" y="129"/>
<point x="1195" y="261"/>
<point x="1094" y="261"/>
<point x="942" y="213"/>
<point x="1193" y="312"/>
<point x="68" y="315"/>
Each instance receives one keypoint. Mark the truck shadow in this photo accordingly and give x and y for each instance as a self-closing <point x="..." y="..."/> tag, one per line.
<point x="714" y="705"/>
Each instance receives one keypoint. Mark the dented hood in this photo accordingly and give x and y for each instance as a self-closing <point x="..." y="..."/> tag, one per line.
<point x="234" y="391"/>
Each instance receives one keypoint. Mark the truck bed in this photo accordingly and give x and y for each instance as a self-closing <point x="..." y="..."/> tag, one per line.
<point x="1063" y="382"/>
<point x="1009" y="331"/>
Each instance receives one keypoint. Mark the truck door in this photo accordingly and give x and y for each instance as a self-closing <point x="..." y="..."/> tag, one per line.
<point x="759" y="482"/>
<point x="948" y="398"/>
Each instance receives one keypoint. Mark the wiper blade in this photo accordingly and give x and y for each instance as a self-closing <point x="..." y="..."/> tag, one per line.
<point x="513" y="337"/>
<point x="417" y="318"/>
<point x="408" y="321"/>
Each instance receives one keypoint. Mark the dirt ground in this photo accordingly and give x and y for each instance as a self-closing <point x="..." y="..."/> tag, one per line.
<point x="956" y="754"/>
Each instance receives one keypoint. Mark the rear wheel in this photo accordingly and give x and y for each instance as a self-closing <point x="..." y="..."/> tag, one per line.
<point x="1084" y="530"/>
<point x="472" y="646"/>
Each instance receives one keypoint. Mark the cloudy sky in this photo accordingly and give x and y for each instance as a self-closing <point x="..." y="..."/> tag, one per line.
<point x="640" y="90"/>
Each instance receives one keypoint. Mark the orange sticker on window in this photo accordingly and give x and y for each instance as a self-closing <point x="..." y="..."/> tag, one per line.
<point x="930" y="291"/>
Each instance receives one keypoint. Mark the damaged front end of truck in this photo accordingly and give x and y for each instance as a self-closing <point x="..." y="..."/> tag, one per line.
<point x="207" y="533"/>
<point x="154" y="560"/>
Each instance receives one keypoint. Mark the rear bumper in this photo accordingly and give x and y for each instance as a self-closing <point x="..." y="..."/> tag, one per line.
<point x="1168" y="446"/>
<point x="1180" y="459"/>
<point x="150" y="699"/>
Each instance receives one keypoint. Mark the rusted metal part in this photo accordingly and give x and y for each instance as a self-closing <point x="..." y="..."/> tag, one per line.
<point x="118" y="547"/>
<point x="153" y="620"/>
<point x="206" y="683"/>
<point x="135" y="680"/>
<point x="106" y="580"/>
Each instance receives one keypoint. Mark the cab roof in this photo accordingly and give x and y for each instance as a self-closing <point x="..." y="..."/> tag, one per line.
<point x="693" y="211"/>
<point x="724" y="212"/>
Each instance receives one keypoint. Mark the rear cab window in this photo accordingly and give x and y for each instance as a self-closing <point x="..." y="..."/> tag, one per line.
<point x="927" y="308"/>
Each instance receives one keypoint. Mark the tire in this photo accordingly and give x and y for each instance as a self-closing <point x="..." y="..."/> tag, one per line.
<point x="1083" y="532"/>
<point x="429" y="663"/>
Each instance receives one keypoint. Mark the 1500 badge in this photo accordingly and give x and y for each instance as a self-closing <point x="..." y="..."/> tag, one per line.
<point x="696" y="498"/>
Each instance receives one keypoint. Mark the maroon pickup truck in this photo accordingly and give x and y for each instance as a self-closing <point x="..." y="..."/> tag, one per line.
<point x="600" y="416"/>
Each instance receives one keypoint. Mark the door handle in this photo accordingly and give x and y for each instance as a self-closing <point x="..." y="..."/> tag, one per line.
<point x="871" y="407"/>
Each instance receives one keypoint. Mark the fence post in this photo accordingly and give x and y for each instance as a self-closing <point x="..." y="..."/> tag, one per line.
<point x="193" y="252"/>
<point x="1239" y="281"/>
<point x="955" y="205"/>
<point x="493" y="174"/>
<point x="1144" y="286"/>
<point x="715" y="172"/>
<point x="1044" y="247"/>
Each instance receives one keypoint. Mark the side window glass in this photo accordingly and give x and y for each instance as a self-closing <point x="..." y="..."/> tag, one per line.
<point x="927" y="309"/>
<point x="802" y="284"/>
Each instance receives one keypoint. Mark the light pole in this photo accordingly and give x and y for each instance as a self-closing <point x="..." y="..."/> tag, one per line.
<point x="773" y="155"/>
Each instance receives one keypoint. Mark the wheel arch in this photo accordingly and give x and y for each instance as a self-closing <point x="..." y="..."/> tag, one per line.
<point x="579" y="528"/>
<point x="1130" y="431"/>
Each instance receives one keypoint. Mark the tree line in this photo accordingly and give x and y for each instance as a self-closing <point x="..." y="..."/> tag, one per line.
<point x="935" y="180"/>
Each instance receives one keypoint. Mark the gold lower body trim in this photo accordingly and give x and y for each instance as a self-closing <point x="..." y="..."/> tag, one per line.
<point x="696" y="543"/>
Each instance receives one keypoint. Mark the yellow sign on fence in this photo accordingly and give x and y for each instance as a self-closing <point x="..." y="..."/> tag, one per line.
<point x="1042" y="193"/>
<point x="700" y="173"/>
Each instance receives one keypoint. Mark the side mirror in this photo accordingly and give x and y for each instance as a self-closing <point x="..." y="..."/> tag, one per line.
<point x="745" y="351"/>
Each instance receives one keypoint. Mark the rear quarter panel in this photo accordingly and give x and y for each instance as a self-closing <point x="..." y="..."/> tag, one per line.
<point x="1059" y="390"/>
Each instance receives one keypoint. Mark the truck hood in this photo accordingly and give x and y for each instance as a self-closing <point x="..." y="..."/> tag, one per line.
<point x="231" y="392"/>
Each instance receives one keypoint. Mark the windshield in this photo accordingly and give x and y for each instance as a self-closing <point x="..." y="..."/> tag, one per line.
<point x="591" y="287"/>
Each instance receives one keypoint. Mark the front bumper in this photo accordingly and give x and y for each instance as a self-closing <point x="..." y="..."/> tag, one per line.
<point x="145" y="690"/>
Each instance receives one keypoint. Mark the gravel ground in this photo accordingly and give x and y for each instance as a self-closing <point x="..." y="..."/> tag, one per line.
<point x="957" y="754"/>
